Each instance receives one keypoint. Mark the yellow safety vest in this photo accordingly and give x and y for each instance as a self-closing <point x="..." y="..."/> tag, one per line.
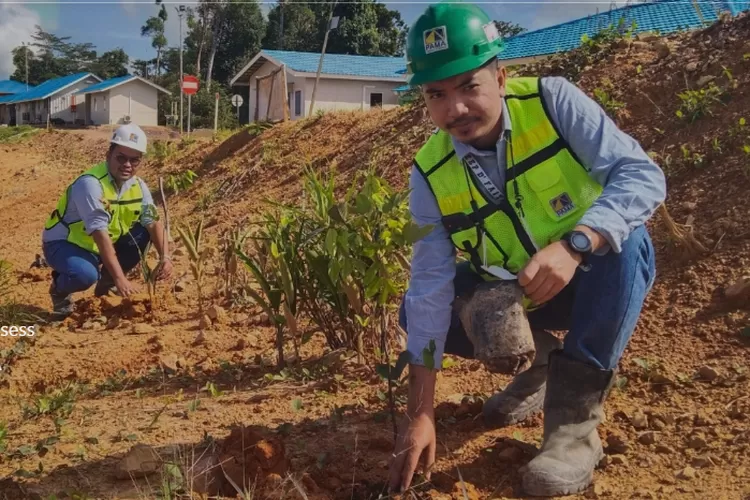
<point x="547" y="187"/>
<point x="124" y="211"/>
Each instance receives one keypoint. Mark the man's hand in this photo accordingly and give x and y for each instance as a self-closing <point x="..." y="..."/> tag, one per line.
<point x="164" y="270"/>
<point x="416" y="445"/>
<point x="125" y="287"/>
<point x="551" y="269"/>
<point x="416" y="442"/>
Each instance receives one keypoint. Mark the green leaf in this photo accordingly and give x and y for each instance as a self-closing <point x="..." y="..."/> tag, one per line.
<point x="742" y="122"/>
<point x="449" y="362"/>
<point x="383" y="370"/>
<point x="414" y="233"/>
<point x="404" y="358"/>
<point x="363" y="205"/>
<point x="679" y="113"/>
<point x="428" y="355"/>
<point x="335" y="213"/>
<point x="297" y="404"/>
<point x="331" y="236"/>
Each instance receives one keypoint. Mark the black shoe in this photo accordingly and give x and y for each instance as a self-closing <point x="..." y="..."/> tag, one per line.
<point x="62" y="304"/>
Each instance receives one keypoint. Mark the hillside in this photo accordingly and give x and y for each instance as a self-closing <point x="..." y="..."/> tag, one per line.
<point x="677" y="423"/>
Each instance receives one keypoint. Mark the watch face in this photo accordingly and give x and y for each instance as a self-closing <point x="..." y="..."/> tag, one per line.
<point x="580" y="241"/>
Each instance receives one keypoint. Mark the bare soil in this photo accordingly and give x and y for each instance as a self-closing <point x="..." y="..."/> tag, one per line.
<point x="140" y="373"/>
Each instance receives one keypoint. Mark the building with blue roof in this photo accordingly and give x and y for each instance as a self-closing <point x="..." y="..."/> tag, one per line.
<point x="346" y="82"/>
<point x="8" y="88"/>
<point x="123" y="99"/>
<point x="662" y="16"/>
<point x="51" y="100"/>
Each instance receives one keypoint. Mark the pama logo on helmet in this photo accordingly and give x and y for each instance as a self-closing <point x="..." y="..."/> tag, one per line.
<point x="133" y="138"/>
<point x="435" y="39"/>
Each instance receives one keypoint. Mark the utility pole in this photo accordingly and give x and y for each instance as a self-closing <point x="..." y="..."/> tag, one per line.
<point x="329" y="27"/>
<point x="180" y="12"/>
<point x="281" y="25"/>
<point x="26" y="58"/>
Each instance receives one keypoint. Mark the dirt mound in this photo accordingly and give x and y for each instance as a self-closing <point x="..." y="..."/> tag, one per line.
<point x="245" y="459"/>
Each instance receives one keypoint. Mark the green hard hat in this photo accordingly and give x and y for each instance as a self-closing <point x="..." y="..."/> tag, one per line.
<point x="449" y="39"/>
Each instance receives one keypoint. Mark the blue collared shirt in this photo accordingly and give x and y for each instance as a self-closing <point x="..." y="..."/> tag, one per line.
<point x="634" y="187"/>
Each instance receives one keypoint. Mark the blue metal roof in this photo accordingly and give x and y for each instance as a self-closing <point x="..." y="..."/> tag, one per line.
<point x="12" y="87"/>
<point x="106" y="84"/>
<point x="341" y="64"/>
<point x="664" y="16"/>
<point x="45" y="89"/>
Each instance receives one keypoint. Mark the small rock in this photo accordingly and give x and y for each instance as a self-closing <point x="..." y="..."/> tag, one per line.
<point x="658" y="424"/>
<point x="697" y="442"/>
<point x="113" y="322"/>
<point x="647" y="438"/>
<point x="640" y="421"/>
<point x="702" y="419"/>
<point x="142" y="329"/>
<point x="204" y="323"/>
<point x="179" y="286"/>
<point x="605" y="461"/>
<point x="464" y="490"/>
<point x="169" y="362"/>
<point x="511" y="454"/>
<point x="601" y="489"/>
<point x="662" y="48"/>
<point x="687" y="473"/>
<point x="101" y="319"/>
<point x="619" y="460"/>
<point x="616" y="444"/>
<point x="689" y="206"/>
<point x="663" y="448"/>
<point x="708" y="373"/>
<point x="263" y="319"/>
<point x="240" y="345"/>
<point x="217" y="314"/>
<point x="88" y="325"/>
<point x="178" y="252"/>
<point x="701" y="462"/>
<point x="691" y="67"/>
<point x="740" y="471"/>
<point x="111" y="302"/>
<point x="140" y="461"/>
<point x="705" y="79"/>
<point x="199" y="339"/>
<point x="640" y="45"/>
<point x="623" y="43"/>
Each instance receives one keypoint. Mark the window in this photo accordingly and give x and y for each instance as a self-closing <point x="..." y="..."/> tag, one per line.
<point x="96" y="104"/>
<point x="376" y="100"/>
<point x="297" y="102"/>
<point x="104" y="100"/>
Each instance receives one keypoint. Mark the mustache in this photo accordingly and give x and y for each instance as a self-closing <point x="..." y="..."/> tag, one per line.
<point x="460" y="122"/>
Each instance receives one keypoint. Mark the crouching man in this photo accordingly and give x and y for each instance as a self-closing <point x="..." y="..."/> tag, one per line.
<point x="530" y="180"/>
<point x="103" y="217"/>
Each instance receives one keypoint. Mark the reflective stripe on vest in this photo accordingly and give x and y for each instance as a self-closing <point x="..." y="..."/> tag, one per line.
<point x="547" y="188"/>
<point x="124" y="211"/>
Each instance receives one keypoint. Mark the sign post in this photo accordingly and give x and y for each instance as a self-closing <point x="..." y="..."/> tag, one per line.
<point x="237" y="103"/>
<point x="189" y="87"/>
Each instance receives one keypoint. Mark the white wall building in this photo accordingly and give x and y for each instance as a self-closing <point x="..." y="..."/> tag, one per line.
<point x="54" y="100"/>
<point x="346" y="82"/>
<point x="120" y="100"/>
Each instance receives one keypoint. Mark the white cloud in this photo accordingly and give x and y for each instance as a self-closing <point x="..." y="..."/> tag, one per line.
<point x="16" y="26"/>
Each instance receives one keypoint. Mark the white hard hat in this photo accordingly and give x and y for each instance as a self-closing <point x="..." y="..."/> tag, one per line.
<point x="130" y="136"/>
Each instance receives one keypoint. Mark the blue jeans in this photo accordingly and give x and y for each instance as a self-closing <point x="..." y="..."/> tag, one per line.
<point x="599" y="308"/>
<point x="76" y="269"/>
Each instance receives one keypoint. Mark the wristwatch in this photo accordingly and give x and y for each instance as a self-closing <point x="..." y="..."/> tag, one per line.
<point x="579" y="242"/>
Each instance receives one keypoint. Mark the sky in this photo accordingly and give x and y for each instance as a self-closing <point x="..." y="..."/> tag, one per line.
<point x="116" y="23"/>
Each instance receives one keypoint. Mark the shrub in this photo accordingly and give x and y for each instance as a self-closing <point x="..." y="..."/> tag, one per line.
<point x="342" y="262"/>
<point x="697" y="103"/>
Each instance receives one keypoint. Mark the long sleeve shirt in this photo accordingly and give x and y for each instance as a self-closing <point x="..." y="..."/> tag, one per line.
<point x="633" y="188"/>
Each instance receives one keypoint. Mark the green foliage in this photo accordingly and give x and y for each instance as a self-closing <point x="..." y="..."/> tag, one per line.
<point x="508" y="29"/>
<point x="691" y="157"/>
<point x="197" y="253"/>
<point x="57" y="403"/>
<point x="3" y="437"/>
<point x="11" y="134"/>
<point x="609" y="103"/>
<point x="342" y="261"/>
<point x="366" y="27"/>
<point x="160" y="150"/>
<point x="697" y="103"/>
<point x="181" y="181"/>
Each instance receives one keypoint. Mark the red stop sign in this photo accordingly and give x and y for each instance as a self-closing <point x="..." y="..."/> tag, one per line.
<point x="189" y="84"/>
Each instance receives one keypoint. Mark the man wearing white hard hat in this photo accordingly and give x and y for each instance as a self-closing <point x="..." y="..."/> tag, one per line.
<point x="104" y="217"/>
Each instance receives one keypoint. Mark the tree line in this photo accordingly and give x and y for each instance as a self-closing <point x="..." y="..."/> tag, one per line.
<point x="221" y="37"/>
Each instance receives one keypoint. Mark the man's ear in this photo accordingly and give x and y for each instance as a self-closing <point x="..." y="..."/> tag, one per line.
<point x="501" y="78"/>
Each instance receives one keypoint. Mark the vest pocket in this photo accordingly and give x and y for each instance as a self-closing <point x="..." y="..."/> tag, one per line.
<point x="552" y="190"/>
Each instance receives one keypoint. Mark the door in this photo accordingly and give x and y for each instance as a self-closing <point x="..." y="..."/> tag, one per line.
<point x="376" y="100"/>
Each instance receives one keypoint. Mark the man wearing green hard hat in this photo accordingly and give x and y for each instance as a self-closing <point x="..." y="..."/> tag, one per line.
<point x="530" y="180"/>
